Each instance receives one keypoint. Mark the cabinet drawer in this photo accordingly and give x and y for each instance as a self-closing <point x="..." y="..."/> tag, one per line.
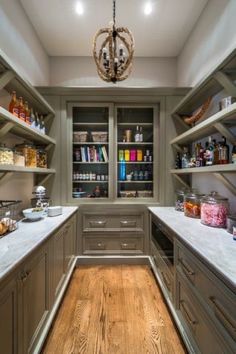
<point x="112" y="244"/>
<point x="163" y="270"/>
<point x="196" y="323"/>
<point x="219" y="300"/>
<point x="111" y="222"/>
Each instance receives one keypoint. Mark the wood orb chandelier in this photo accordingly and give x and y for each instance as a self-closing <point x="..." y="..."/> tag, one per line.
<point x="114" y="59"/>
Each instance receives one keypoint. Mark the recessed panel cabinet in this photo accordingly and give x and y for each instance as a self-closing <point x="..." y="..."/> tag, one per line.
<point x="27" y="299"/>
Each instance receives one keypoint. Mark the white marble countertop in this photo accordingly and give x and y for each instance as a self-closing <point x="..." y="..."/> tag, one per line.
<point x="216" y="246"/>
<point x="17" y="245"/>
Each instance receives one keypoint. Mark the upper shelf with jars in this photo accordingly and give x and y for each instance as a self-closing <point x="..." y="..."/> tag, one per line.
<point x="28" y="115"/>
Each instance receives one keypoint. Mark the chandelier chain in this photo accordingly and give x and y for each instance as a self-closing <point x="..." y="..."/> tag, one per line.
<point x="114" y="12"/>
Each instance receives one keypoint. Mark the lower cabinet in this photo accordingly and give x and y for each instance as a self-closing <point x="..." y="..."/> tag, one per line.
<point x="8" y="318"/>
<point x="28" y="297"/>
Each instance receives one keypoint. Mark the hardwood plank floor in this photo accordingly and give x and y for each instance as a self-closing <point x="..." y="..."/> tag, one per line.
<point x="113" y="310"/>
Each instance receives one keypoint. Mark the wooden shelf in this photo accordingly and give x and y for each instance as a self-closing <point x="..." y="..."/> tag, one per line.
<point x="91" y="143"/>
<point x="208" y="126"/>
<point x="14" y="125"/>
<point x="206" y="169"/>
<point x="90" y="162"/>
<point x="135" y="143"/>
<point x="135" y="124"/>
<point x="135" y="181"/>
<point x="81" y="181"/>
<point x="12" y="168"/>
<point x="137" y="163"/>
<point x="23" y="88"/>
<point x="90" y="124"/>
<point x="209" y="86"/>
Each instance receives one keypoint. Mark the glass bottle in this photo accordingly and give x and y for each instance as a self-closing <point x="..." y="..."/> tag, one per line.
<point x="178" y="164"/>
<point x="141" y="134"/>
<point x="216" y="152"/>
<point x="185" y="158"/>
<point x="136" y="135"/>
<point x="13" y="105"/>
<point x="123" y="170"/>
<point x="209" y="153"/>
<point x="234" y="153"/>
<point x="224" y="152"/>
<point x="27" y="113"/>
<point x="21" y="109"/>
<point x="32" y="118"/>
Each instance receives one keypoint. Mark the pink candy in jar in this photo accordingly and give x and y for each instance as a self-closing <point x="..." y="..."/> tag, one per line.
<point x="214" y="210"/>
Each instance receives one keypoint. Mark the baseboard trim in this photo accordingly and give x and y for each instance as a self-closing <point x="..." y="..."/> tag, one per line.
<point x="112" y="260"/>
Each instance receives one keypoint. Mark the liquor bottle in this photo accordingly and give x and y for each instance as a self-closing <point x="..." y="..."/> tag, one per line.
<point x="224" y="152"/>
<point x="141" y="134"/>
<point x="234" y="153"/>
<point x="216" y="152"/>
<point x="185" y="158"/>
<point x="136" y="135"/>
<point x="178" y="163"/>
<point x="209" y="153"/>
<point x="42" y="125"/>
<point x="201" y="156"/>
<point x="197" y="154"/>
<point x="32" y="118"/>
<point x="37" y="122"/>
<point x="27" y="113"/>
<point x="13" y="105"/>
<point x="21" y="110"/>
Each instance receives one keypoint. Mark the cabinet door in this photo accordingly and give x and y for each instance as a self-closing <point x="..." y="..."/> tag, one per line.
<point x="58" y="261"/>
<point x="35" y="297"/>
<point x="69" y="242"/>
<point x="8" y="328"/>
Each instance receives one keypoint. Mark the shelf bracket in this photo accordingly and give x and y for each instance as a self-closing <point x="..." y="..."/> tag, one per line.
<point x="6" y="77"/>
<point x="49" y="147"/>
<point x="181" y="121"/>
<point x="48" y="117"/>
<point x="43" y="180"/>
<point x="225" y="132"/>
<point x="177" y="147"/>
<point x="181" y="181"/>
<point x="224" y="80"/>
<point x="4" y="174"/>
<point x="226" y="182"/>
<point x="6" y="128"/>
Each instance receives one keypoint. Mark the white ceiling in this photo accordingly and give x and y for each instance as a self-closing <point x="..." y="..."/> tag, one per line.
<point x="161" y="34"/>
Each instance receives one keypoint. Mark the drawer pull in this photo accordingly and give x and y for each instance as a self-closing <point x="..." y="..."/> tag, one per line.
<point x="99" y="223"/>
<point x="129" y="246"/>
<point x="167" y="282"/>
<point x="224" y="318"/>
<point x="186" y="312"/>
<point x="128" y="223"/>
<point x="187" y="270"/>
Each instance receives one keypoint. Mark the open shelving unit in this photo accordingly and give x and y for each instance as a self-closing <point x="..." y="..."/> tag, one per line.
<point x="222" y="78"/>
<point x="10" y="80"/>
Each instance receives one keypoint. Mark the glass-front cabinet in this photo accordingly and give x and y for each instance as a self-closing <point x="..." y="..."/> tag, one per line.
<point x="136" y="152"/>
<point x="114" y="152"/>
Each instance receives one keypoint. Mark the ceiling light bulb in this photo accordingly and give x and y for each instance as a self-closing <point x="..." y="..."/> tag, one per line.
<point x="79" y="8"/>
<point x="148" y="8"/>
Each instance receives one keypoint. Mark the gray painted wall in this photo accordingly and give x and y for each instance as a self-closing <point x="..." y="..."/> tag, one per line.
<point x="20" y="42"/>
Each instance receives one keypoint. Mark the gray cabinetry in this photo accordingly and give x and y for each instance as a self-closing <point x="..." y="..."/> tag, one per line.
<point x="114" y="230"/>
<point x="8" y="312"/>
<point x="69" y="242"/>
<point x="34" y="297"/>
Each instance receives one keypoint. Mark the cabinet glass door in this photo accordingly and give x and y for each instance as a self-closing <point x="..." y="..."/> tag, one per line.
<point x="135" y="152"/>
<point x="90" y="175"/>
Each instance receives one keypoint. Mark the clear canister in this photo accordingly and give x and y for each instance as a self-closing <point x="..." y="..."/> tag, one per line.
<point x="214" y="210"/>
<point x="192" y="205"/>
<point x="19" y="159"/>
<point x="6" y="156"/>
<point x="41" y="157"/>
<point x="30" y="153"/>
<point x="179" y="200"/>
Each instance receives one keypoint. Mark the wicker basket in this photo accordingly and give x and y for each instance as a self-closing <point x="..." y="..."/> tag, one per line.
<point x="99" y="137"/>
<point x="80" y="137"/>
<point x="9" y="215"/>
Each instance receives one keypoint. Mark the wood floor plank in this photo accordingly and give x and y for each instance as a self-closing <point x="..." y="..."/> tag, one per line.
<point x="113" y="310"/>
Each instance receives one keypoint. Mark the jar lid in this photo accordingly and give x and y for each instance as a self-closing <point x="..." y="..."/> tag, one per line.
<point x="214" y="197"/>
<point x="192" y="195"/>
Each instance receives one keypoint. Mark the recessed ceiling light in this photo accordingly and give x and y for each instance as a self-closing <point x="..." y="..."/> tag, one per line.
<point x="79" y="9"/>
<point x="148" y="8"/>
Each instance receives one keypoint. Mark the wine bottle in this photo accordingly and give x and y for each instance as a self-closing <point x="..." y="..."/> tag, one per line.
<point x="136" y="136"/>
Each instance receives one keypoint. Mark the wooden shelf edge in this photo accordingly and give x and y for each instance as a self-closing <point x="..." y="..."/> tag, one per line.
<point x="12" y="168"/>
<point x="25" y="127"/>
<point x="206" y="169"/>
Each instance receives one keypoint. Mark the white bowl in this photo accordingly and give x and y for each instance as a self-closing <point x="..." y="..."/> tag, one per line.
<point x="33" y="215"/>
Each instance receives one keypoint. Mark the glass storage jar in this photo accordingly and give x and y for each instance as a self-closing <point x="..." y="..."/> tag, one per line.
<point x="30" y="153"/>
<point x="179" y="200"/>
<point x="41" y="157"/>
<point x="192" y="205"/>
<point x="6" y="156"/>
<point x="19" y="159"/>
<point x="214" y="210"/>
